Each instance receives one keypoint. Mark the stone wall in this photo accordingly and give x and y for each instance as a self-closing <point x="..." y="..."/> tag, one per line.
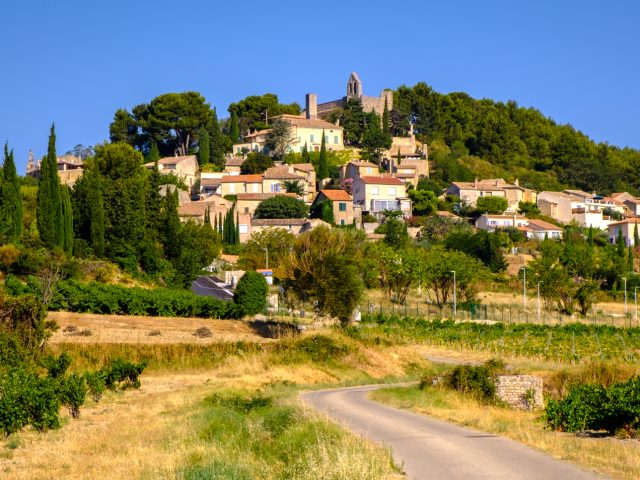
<point x="520" y="391"/>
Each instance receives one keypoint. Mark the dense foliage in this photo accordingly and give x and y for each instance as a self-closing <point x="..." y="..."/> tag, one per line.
<point x="593" y="407"/>
<point x="489" y="139"/>
<point x="281" y="206"/>
<point x="251" y="293"/>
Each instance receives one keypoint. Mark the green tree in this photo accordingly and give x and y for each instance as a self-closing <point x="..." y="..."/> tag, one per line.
<point x="203" y="147"/>
<point x="170" y="227"/>
<point x="253" y="111"/>
<point x="276" y="240"/>
<point x="153" y="155"/>
<point x="49" y="206"/>
<point x="325" y="267"/>
<point x="492" y="205"/>
<point x="352" y="119"/>
<point x="10" y="200"/>
<point x="394" y="229"/>
<point x="424" y="202"/>
<point x="375" y="140"/>
<point x="280" y="138"/>
<point x="251" y="293"/>
<point x="293" y="186"/>
<point x="67" y="220"/>
<point x="256" y="163"/>
<point x="386" y="124"/>
<point x="306" y="158"/>
<point x="234" y="129"/>
<point x="437" y="274"/>
<point x="323" y="166"/>
<point x="528" y="209"/>
<point x="636" y="236"/>
<point x="199" y="246"/>
<point x="399" y="269"/>
<point x="281" y="206"/>
<point x="124" y="128"/>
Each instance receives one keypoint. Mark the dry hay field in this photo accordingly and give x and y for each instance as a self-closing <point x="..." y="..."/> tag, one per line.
<point x="91" y="328"/>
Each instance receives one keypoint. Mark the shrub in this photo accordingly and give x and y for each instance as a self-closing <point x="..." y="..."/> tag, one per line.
<point x="281" y="206"/>
<point x="477" y="381"/>
<point x="251" y="293"/>
<point x="122" y="374"/>
<point x="321" y="348"/>
<point x="203" y="332"/>
<point x="72" y="392"/>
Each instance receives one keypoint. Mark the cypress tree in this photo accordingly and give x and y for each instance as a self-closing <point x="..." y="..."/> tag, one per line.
<point x="620" y="244"/>
<point x="217" y="142"/>
<point x="203" y="147"/>
<point x="636" y="236"/>
<point x="154" y="154"/>
<point x="67" y="220"/>
<point x="220" y="223"/>
<point x="49" y="205"/>
<point x="171" y="227"/>
<point x="386" y="127"/>
<point x="215" y="224"/>
<point x="237" y="230"/>
<point x="630" y="262"/>
<point x="234" y="129"/>
<point x="96" y="207"/>
<point x="306" y="158"/>
<point x="323" y="166"/>
<point x="590" y="237"/>
<point x="10" y="199"/>
<point x="207" y="218"/>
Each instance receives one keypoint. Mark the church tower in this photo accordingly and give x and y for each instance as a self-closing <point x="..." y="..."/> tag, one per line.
<point x="354" y="86"/>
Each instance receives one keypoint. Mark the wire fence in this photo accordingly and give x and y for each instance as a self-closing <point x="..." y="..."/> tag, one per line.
<point x="497" y="313"/>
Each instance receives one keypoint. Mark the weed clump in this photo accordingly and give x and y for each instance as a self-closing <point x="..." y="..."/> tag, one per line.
<point x="203" y="332"/>
<point x="478" y="381"/>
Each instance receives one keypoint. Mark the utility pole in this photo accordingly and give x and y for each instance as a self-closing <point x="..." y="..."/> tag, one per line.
<point x="455" y="306"/>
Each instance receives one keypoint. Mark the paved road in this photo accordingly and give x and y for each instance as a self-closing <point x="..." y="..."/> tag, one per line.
<point x="209" y="287"/>
<point x="431" y="449"/>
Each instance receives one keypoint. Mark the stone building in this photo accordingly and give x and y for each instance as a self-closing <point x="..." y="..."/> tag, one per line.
<point x="354" y="90"/>
<point x="70" y="168"/>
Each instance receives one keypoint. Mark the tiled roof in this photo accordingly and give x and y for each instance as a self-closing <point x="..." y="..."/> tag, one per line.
<point x="210" y="181"/>
<point x="635" y="220"/>
<point x="490" y="184"/>
<point x="241" y="179"/>
<point x="382" y="180"/>
<point x="261" y="196"/>
<point x="169" y="160"/>
<point x="542" y="225"/>
<point x="363" y="164"/>
<point x="336" y="195"/>
<point x="305" y="167"/>
<point x="280" y="173"/>
<point x="235" y="162"/>
<point x="277" y="222"/>
<point x="445" y="214"/>
<point x="258" y="133"/>
<point x="302" y="121"/>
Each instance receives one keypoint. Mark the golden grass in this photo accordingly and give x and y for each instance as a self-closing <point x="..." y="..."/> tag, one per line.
<point x="615" y="458"/>
<point x="149" y="433"/>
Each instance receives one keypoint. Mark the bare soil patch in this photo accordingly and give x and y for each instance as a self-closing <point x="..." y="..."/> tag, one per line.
<point x="134" y="329"/>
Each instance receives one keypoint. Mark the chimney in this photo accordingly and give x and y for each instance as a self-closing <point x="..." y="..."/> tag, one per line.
<point x="516" y="183"/>
<point x="475" y="183"/>
<point x="312" y="105"/>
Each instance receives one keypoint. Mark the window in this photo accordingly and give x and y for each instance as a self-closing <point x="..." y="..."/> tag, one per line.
<point x="255" y="188"/>
<point x="326" y="139"/>
<point x="311" y="138"/>
<point x="392" y="190"/>
<point x="275" y="188"/>
<point x="232" y="188"/>
<point x="368" y="171"/>
<point x="380" y="205"/>
<point x="342" y="207"/>
<point x="243" y="228"/>
<point x="375" y="191"/>
<point x="342" y="222"/>
<point x="335" y="139"/>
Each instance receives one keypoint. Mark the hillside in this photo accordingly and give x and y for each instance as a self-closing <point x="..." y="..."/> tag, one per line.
<point x="483" y="138"/>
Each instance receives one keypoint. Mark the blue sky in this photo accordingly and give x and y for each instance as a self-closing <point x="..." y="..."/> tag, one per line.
<point x="76" y="62"/>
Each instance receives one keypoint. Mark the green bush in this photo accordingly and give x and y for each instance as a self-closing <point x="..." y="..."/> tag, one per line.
<point x="593" y="407"/>
<point x="477" y="381"/>
<point x="72" y="296"/>
<point x="320" y="348"/>
<point x="251" y="293"/>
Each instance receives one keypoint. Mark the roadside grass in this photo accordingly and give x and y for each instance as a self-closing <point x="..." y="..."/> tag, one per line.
<point x="615" y="458"/>
<point x="191" y="418"/>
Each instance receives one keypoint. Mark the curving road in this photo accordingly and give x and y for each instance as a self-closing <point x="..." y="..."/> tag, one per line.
<point x="431" y="449"/>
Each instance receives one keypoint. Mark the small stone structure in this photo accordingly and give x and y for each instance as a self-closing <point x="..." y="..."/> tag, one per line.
<point x="520" y="391"/>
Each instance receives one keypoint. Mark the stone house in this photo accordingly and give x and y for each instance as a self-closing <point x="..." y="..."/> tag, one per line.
<point x="70" y="168"/>
<point x="248" y="202"/>
<point x="355" y="169"/>
<point x="274" y="178"/>
<point x="342" y="206"/>
<point x="377" y="194"/>
<point x="233" y="165"/>
<point x="539" y="229"/>
<point x="183" y="167"/>
<point x="196" y="210"/>
<point x="630" y="203"/>
<point x="234" y="184"/>
<point x="354" y="90"/>
<point x="491" y="222"/>
<point x="627" y="227"/>
<point x="470" y="192"/>
<point x="588" y="210"/>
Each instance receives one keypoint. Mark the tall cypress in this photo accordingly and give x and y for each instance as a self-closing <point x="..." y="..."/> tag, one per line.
<point x="96" y="209"/>
<point x="49" y="205"/>
<point x="215" y="223"/>
<point x="171" y="226"/>
<point x="636" y="236"/>
<point x="630" y="262"/>
<point x="217" y="142"/>
<point x="323" y="166"/>
<point x="220" y="224"/>
<point x="154" y="154"/>
<point x="386" y="127"/>
<point x="203" y="147"/>
<point x="237" y="230"/>
<point x="234" y="129"/>
<point x="67" y="220"/>
<point x="306" y="158"/>
<point x="10" y="200"/>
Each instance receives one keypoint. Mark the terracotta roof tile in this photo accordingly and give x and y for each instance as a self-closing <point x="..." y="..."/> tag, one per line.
<point x="241" y="179"/>
<point x="261" y="196"/>
<point x="277" y="222"/>
<point x="382" y="180"/>
<point x="336" y="195"/>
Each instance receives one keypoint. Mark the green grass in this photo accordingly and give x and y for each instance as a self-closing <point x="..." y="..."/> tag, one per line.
<point x="264" y="435"/>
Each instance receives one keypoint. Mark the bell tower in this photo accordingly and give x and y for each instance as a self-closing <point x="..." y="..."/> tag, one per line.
<point x="354" y="86"/>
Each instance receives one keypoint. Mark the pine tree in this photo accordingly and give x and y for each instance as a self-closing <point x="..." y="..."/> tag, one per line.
<point x="10" y="200"/>
<point x="386" y="126"/>
<point x="203" y="147"/>
<point x="49" y="205"/>
<point x="234" y="129"/>
<point x="323" y="166"/>
<point x="67" y="220"/>
<point x="154" y="154"/>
